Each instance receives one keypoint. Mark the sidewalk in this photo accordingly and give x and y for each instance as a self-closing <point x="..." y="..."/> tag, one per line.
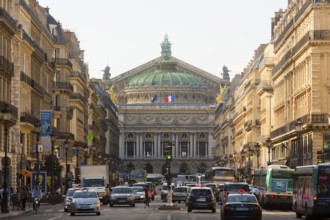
<point x="15" y="212"/>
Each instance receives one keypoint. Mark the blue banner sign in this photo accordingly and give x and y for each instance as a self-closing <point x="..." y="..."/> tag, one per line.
<point x="46" y="118"/>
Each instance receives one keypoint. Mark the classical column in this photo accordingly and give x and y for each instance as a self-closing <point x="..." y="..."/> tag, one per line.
<point x="141" y="145"/>
<point x="155" y="146"/>
<point x="191" y="144"/>
<point x="159" y="146"/>
<point x="209" y="150"/>
<point x="177" y="146"/>
<point x="138" y="153"/>
<point x="121" y="145"/>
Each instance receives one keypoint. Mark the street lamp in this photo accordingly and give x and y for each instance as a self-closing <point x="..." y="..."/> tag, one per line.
<point x="257" y="149"/>
<point x="66" y="145"/>
<point x="52" y="138"/>
<point x="5" y="161"/>
<point x="298" y="125"/>
<point x="269" y="146"/>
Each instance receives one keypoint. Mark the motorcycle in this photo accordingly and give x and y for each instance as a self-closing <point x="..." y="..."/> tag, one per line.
<point x="36" y="204"/>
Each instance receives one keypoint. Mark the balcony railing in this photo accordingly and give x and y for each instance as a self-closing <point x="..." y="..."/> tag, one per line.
<point x="62" y="62"/>
<point x="78" y="75"/>
<point x="79" y="96"/>
<point x="11" y="23"/>
<point x="64" y="135"/>
<point x="63" y="86"/>
<point x="37" y="87"/>
<point x="36" y="47"/>
<point x="26" y="79"/>
<point x="12" y="109"/>
<point x="6" y="66"/>
<point x="265" y="85"/>
<point x="29" y="118"/>
<point x="248" y="125"/>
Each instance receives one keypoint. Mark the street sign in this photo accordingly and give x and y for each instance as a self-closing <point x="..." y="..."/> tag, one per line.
<point x="5" y="161"/>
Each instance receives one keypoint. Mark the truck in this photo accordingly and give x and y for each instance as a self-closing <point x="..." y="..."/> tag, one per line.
<point x="96" y="177"/>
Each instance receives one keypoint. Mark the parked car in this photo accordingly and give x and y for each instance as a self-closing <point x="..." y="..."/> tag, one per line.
<point x="85" y="201"/>
<point x="139" y="193"/>
<point x="233" y="187"/>
<point x="122" y="195"/>
<point x="180" y="193"/>
<point x="68" y="198"/>
<point x="201" y="198"/>
<point x="241" y="206"/>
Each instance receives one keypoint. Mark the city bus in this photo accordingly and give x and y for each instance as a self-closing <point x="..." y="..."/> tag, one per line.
<point x="221" y="175"/>
<point x="311" y="191"/>
<point x="275" y="183"/>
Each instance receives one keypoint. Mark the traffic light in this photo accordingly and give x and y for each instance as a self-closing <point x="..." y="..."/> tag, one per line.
<point x="319" y="156"/>
<point x="168" y="153"/>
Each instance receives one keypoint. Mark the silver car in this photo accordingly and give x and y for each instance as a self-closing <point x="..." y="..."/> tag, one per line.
<point x="140" y="195"/>
<point x="180" y="193"/>
<point x="85" y="201"/>
<point x="122" y="195"/>
<point x="68" y="199"/>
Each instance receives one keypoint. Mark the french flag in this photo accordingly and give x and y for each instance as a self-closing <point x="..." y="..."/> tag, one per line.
<point x="169" y="98"/>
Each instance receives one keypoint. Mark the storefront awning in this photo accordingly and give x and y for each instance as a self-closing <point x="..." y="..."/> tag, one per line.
<point x="26" y="173"/>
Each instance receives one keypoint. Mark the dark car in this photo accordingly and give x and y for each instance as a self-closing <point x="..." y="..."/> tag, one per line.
<point x="241" y="206"/>
<point x="201" y="198"/>
<point x="233" y="187"/>
<point x="214" y="188"/>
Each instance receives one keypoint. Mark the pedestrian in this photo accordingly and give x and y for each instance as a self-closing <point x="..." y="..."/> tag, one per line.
<point x="147" y="196"/>
<point x="23" y="197"/>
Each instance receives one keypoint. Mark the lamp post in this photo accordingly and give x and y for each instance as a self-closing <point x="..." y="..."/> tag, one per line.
<point x="37" y="131"/>
<point x="257" y="148"/>
<point x="66" y="145"/>
<point x="298" y="125"/>
<point x="5" y="161"/>
<point x="53" y="138"/>
<point x="269" y="146"/>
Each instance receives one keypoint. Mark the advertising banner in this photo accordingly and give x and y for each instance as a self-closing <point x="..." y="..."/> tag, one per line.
<point x="42" y="180"/>
<point x="279" y="186"/>
<point x="46" y="123"/>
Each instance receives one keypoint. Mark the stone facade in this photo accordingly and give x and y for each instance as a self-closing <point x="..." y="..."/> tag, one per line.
<point x="148" y="123"/>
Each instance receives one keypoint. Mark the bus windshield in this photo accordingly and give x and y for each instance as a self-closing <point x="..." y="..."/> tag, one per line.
<point x="282" y="174"/>
<point x="324" y="181"/>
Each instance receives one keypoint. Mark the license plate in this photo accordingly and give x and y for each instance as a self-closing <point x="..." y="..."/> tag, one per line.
<point x="201" y="200"/>
<point x="85" y="206"/>
<point x="242" y="209"/>
<point x="122" y="200"/>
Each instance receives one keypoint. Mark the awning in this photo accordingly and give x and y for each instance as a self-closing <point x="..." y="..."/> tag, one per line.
<point x="26" y="173"/>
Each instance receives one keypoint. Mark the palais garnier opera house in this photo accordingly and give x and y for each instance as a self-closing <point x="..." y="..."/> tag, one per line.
<point x="166" y="102"/>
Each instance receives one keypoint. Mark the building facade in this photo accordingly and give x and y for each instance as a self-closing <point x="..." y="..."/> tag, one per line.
<point x="166" y="102"/>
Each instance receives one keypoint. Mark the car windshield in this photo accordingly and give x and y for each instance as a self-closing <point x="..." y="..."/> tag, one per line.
<point x="242" y="198"/>
<point x="70" y="192"/>
<point x="180" y="189"/>
<point x="85" y="195"/>
<point x="201" y="192"/>
<point x="121" y="190"/>
<point x="137" y="189"/>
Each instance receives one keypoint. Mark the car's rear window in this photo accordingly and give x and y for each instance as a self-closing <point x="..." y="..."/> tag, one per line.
<point x="237" y="187"/>
<point x="201" y="192"/>
<point x="242" y="198"/>
<point x="180" y="189"/>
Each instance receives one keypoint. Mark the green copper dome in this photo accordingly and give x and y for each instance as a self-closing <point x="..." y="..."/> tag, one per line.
<point x="165" y="78"/>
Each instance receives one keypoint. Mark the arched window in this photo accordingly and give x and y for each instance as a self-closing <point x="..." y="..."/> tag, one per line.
<point x="130" y="135"/>
<point x="202" y="136"/>
<point x="166" y="135"/>
<point x="148" y="135"/>
<point x="184" y="135"/>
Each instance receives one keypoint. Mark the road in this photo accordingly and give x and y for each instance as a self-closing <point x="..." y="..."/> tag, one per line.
<point x="53" y="212"/>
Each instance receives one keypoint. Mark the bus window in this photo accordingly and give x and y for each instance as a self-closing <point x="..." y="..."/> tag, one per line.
<point x="282" y="174"/>
<point x="324" y="181"/>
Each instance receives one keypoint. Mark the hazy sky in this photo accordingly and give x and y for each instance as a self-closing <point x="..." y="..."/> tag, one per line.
<point x="208" y="34"/>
